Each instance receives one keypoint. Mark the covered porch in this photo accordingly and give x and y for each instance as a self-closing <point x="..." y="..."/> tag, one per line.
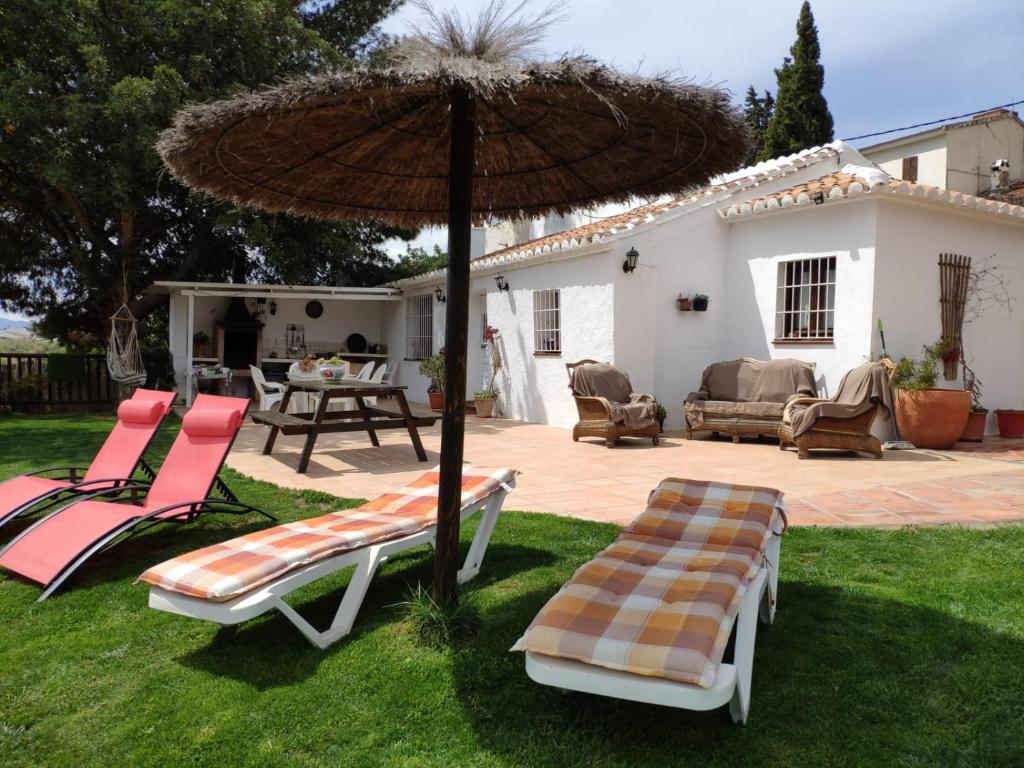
<point x="234" y="325"/>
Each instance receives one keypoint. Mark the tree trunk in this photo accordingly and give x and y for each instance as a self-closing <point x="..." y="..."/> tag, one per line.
<point x="460" y="221"/>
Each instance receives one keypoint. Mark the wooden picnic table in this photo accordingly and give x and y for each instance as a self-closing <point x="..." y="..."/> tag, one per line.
<point x="365" y="418"/>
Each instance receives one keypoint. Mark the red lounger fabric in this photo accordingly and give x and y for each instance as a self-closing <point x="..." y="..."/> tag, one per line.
<point x="187" y="474"/>
<point x="137" y="422"/>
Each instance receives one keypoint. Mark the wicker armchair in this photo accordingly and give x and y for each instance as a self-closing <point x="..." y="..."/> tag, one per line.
<point x="596" y="416"/>
<point x="849" y="434"/>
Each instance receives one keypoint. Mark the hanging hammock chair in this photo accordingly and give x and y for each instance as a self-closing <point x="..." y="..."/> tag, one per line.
<point x="124" y="358"/>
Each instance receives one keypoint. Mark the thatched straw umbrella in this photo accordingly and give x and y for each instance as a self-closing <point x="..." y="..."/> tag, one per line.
<point x="458" y="127"/>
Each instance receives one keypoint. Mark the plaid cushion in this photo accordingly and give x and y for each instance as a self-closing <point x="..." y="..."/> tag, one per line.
<point x="662" y="599"/>
<point x="224" y="571"/>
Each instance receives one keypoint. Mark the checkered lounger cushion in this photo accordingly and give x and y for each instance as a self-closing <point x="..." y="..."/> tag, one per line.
<point x="662" y="599"/>
<point x="224" y="571"/>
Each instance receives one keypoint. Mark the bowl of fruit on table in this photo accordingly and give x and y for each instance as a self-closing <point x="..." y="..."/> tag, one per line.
<point x="333" y="368"/>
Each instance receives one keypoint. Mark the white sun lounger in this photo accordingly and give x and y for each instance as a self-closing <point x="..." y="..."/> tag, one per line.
<point x="366" y="559"/>
<point x="731" y="682"/>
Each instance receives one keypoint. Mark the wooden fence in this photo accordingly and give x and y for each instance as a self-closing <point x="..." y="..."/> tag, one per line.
<point x="43" y="382"/>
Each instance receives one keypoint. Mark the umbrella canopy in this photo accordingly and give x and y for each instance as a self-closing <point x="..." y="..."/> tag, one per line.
<point x="458" y="128"/>
<point x="549" y="138"/>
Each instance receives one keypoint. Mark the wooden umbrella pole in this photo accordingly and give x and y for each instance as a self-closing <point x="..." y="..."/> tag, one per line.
<point x="460" y="222"/>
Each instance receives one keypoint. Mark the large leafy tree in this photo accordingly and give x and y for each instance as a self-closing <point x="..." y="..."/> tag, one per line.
<point x="801" y="118"/>
<point x="86" y="212"/>
<point x="757" y="111"/>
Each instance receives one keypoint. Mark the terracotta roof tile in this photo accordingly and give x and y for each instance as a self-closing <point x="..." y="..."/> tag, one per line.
<point x="1013" y="194"/>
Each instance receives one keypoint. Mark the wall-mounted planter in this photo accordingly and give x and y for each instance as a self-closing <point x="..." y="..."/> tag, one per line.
<point x="685" y="305"/>
<point x="700" y="304"/>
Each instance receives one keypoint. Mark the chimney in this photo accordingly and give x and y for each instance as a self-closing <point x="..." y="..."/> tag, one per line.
<point x="1000" y="174"/>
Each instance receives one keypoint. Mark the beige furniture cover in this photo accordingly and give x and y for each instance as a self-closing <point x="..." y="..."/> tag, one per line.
<point x="747" y="396"/>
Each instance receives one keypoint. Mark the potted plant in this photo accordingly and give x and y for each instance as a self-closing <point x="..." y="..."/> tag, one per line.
<point x="685" y="303"/>
<point x="200" y="344"/>
<point x="484" y="401"/>
<point x="700" y="302"/>
<point x="433" y="368"/>
<point x="974" y="432"/>
<point x="660" y="413"/>
<point x="1011" y="423"/>
<point x="926" y="416"/>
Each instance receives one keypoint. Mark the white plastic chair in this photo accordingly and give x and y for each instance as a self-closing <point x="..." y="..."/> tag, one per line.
<point x="309" y="401"/>
<point x="376" y="378"/>
<point x="365" y="372"/>
<point x="389" y="372"/>
<point x="270" y="392"/>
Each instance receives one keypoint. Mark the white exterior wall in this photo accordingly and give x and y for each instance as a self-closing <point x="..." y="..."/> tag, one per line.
<point x="757" y="247"/>
<point x="911" y="237"/>
<point x="931" y="158"/>
<point x="535" y="387"/>
<point x="958" y="159"/>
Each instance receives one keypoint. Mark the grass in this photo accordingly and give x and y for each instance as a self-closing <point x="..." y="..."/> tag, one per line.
<point x="891" y="648"/>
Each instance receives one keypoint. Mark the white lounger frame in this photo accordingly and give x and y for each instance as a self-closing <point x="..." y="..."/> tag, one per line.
<point x="732" y="681"/>
<point x="366" y="560"/>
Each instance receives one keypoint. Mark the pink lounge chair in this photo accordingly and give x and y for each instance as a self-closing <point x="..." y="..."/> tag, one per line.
<point x="138" y="420"/>
<point x="51" y="549"/>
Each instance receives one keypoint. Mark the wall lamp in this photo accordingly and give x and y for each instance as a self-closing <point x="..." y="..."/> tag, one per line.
<point x="632" y="256"/>
<point x="273" y="307"/>
<point x="439" y="295"/>
<point x="501" y="282"/>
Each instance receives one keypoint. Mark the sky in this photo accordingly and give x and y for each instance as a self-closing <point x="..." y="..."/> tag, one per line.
<point x="888" y="63"/>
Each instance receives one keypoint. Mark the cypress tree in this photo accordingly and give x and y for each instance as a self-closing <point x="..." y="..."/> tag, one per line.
<point x="801" y="117"/>
<point x="757" y="110"/>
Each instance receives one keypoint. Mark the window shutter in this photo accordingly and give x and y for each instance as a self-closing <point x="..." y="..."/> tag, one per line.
<point x="910" y="168"/>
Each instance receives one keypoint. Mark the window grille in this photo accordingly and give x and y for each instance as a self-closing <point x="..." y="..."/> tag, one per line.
<point x="806" y="301"/>
<point x="419" y="327"/>
<point x="547" y="321"/>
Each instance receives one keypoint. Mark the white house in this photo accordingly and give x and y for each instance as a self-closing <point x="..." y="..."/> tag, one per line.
<point x="799" y="256"/>
<point x="960" y="157"/>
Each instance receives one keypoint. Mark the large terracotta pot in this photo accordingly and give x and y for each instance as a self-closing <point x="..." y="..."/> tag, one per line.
<point x="436" y="400"/>
<point x="974" y="432"/>
<point x="932" y="418"/>
<point x="1011" y="423"/>
<point x="484" y="407"/>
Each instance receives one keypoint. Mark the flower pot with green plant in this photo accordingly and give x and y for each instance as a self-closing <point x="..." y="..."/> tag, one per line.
<point x="660" y="413"/>
<point x="685" y="303"/>
<point x="926" y="416"/>
<point x="433" y="368"/>
<point x="484" y="401"/>
<point x="200" y="344"/>
<point x="974" y="432"/>
<point x="700" y="302"/>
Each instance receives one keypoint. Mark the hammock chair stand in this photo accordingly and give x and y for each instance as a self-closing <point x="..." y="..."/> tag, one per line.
<point x="124" y="358"/>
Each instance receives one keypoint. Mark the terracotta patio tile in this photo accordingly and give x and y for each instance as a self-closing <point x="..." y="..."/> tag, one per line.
<point x="975" y="486"/>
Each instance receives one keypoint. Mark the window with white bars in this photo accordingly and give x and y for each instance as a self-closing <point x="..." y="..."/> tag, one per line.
<point x="419" y="327"/>
<point x="547" y="321"/>
<point x="806" y="301"/>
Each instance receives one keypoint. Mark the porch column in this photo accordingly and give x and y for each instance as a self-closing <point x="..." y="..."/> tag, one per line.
<point x="189" y="331"/>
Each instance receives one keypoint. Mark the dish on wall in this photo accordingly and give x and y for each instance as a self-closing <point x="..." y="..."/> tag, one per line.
<point x="314" y="309"/>
<point x="356" y="343"/>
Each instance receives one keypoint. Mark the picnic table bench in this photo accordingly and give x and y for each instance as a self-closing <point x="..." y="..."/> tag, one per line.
<point x="364" y="418"/>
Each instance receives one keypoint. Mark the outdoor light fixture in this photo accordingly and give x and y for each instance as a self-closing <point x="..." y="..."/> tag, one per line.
<point x="501" y="282"/>
<point x="273" y="307"/>
<point x="439" y="295"/>
<point x="632" y="255"/>
<point x="819" y="197"/>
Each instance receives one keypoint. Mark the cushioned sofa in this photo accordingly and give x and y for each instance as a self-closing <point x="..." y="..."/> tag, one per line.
<point x="747" y="396"/>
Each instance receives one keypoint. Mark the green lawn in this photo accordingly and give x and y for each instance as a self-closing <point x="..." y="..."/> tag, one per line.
<point x="890" y="649"/>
